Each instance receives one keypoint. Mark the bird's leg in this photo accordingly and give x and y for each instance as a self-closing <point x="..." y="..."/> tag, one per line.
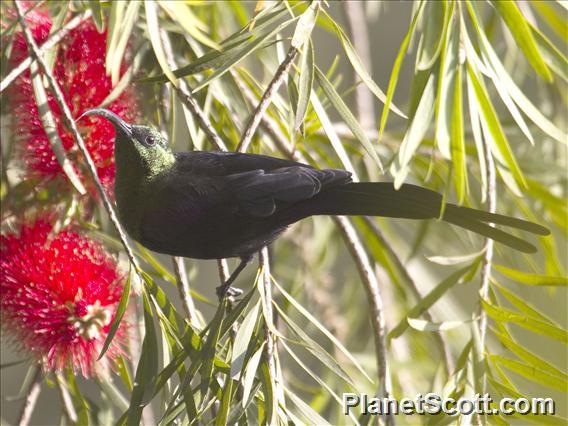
<point x="225" y="289"/>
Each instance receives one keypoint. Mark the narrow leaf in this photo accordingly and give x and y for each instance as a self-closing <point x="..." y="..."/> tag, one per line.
<point x="490" y="118"/>
<point x="519" y="27"/>
<point x="120" y="310"/>
<point x="431" y="298"/>
<point x="499" y="313"/>
<point x="416" y="131"/>
<point x="242" y="340"/>
<point x="532" y="279"/>
<point x="396" y="70"/>
<point x="324" y="330"/>
<point x="250" y="371"/>
<point x="423" y="325"/>
<point x="305" y="84"/>
<point x="156" y="40"/>
<point x="50" y="128"/>
<point x="530" y="372"/>
<point x="347" y="115"/>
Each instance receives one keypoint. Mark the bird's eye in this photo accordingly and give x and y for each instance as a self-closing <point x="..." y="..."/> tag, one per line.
<point x="150" y="140"/>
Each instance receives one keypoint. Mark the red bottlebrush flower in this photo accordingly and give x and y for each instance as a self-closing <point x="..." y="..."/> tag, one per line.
<point x="80" y="71"/>
<point x="58" y="294"/>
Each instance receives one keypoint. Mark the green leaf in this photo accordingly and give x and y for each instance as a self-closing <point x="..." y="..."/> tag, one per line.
<point x="120" y="310"/>
<point x="396" y="70"/>
<point x="208" y="352"/>
<point x="347" y="115"/>
<point x="305" y="25"/>
<point x="114" y="32"/>
<point x="223" y="413"/>
<point x="308" y="412"/>
<point x="98" y="15"/>
<point x="423" y="325"/>
<point x="242" y="53"/>
<point x="446" y="84"/>
<point x="180" y="13"/>
<point x="519" y="27"/>
<point x="50" y="127"/>
<point x="359" y="67"/>
<point x="332" y="134"/>
<point x="437" y="17"/>
<point x="416" y="131"/>
<point x="532" y="279"/>
<point x="320" y="353"/>
<point x="317" y="378"/>
<point x="321" y="328"/>
<point x="530" y="372"/>
<point x="454" y="260"/>
<point x="529" y="357"/>
<point x="457" y="142"/>
<point x="250" y="372"/>
<point x="502" y="77"/>
<point x="121" y="33"/>
<point x="305" y="84"/>
<point x="432" y="297"/>
<point x="242" y="340"/>
<point x="490" y="119"/>
<point x="557" y="61"/>
<point x="147" y="367"/>
<point x="499" y="313"/>
<point x="520" y="304"/>
<point x="156" y="40"/>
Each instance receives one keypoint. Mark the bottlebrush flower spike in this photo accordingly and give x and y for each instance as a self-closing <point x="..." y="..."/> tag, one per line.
<point x="59" y="294"/>
<point x="80" y="71"/>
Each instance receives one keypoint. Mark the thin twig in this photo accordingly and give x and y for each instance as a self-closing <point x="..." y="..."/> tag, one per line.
<point x="266" y="99"/>
<point x="185" y="291"/>
<point x="31" y="398"/>
<point x="377" y="316"/>
<point x="189" y="101"/>
<point x="55" y="38"/>
<point x="438" y="336"/>
<point x="356" y="19"/>
<point x="358" y="253"/>
<point x="66" y="400"/>
<point x="70" y="122"/>
<point x="269" y="324"/>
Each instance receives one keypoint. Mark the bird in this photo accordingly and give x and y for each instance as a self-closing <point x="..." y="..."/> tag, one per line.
<point x="216" y="204"/>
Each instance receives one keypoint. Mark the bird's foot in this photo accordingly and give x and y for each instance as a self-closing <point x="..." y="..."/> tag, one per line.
<point x="228" y="291"/>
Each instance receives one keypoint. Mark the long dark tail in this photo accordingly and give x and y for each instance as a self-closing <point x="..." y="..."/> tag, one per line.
<point x="414" y="202"/>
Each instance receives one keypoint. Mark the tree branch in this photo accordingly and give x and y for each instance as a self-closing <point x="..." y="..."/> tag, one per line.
<point x="31" y="398"/>
<point x="185" y="291"/>
<point x="438" y="336"/>
<point x="70" y="122"/>
<point x="266" y="99"/>
<point x="66" y="400"/>
<point x="55" y="38"/>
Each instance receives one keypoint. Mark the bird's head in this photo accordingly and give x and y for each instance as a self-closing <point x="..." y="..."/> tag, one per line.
<point x="136" y="146"/>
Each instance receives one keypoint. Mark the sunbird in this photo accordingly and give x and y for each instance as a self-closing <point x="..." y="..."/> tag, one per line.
<point x="214" y="205"/>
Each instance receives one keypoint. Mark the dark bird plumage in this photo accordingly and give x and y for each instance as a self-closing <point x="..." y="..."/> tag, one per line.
<point x="211" y="205"/>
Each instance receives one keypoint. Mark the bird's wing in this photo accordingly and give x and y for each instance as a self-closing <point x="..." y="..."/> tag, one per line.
<point x="218" y="163"/>
<point x="259" y="193"/>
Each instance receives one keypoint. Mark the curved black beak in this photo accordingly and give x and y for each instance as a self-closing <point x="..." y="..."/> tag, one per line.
<point x="118" y="122"/>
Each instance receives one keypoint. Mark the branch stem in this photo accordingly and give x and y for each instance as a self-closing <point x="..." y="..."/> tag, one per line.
<point x="30" y="401"/>
<point x="266" y="99"/>
<point x="185" y="291"/>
